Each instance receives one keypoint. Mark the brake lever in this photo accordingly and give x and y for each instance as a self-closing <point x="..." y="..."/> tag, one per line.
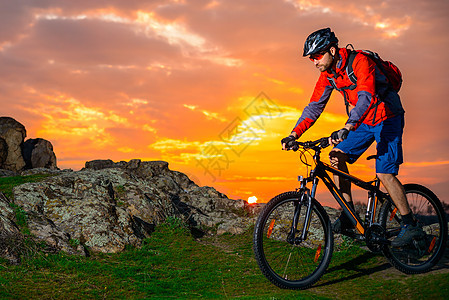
<point x="294" y="147"/>
<point x="324" y="143"/>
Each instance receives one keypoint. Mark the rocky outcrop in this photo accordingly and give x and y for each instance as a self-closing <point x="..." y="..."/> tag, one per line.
<point x="9" y="231"/>
<point x="108" y="205"/>
<point x="3" y="151"/>
<point x="38" y="153"/>
<point x="13" y="134"/>
<point x="7" y="216"/>
<point x="17" y="155"/>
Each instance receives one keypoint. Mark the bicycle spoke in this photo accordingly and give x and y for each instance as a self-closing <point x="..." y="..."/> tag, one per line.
<point x="283" y="260"/>
<point x="424" y="251"/>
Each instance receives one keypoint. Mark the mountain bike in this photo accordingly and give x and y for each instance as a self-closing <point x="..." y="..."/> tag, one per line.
<point x="293" y="239"/>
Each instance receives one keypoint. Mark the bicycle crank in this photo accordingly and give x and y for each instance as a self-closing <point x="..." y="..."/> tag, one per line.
<point x="375" y="238"/>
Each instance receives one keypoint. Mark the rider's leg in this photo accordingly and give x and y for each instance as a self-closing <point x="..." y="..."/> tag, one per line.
<point x="345" y="152"/>
<point x="348" y="151"/>
<point x="410" y="228"/>
<point x="389" y="157"/>
<point x="338" y="160"/>
<point x="396" y="192"/>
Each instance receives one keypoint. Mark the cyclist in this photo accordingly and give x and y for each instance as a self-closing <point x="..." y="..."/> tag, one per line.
<point x="370" y="119"/>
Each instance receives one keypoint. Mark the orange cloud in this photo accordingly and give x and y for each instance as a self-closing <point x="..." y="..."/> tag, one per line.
<point x="176" y="80"/>
<point x="367" y="15"/>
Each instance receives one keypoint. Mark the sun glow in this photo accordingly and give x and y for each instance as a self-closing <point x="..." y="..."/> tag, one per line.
<point x="252" y="199"/>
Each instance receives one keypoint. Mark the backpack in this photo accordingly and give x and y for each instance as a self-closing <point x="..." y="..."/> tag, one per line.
<point x="390" y="70"/>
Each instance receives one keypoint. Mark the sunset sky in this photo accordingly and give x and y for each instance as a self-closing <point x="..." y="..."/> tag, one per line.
<point x="212" y="86"/>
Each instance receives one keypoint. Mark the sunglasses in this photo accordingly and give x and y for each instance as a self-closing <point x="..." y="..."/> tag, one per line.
<point x="317" y="56"/>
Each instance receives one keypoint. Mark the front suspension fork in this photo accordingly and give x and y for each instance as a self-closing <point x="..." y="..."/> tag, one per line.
<point x="305" y="200"/>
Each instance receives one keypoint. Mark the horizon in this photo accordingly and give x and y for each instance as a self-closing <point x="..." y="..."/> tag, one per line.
<point x="212" y="88"/>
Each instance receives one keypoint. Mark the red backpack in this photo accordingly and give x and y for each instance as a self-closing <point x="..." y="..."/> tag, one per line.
<point x="390" y="70"/>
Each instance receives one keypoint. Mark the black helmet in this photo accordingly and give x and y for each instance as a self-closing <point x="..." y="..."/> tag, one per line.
<point x="319" y="40"/>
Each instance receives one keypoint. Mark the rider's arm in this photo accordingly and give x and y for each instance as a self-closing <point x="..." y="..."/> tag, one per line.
<point x="364" y="69"/>
<point x="349" y="127"/>
<point x="317" y="103"/>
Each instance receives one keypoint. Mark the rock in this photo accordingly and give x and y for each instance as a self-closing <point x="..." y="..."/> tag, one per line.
<point x="16" y="155"/>
<point x="3" y="151"/>
<point x="99" y="164"/>
<point x="45" y="230"/>
<point x="7" y="173"/>
<point x="9" y="232"/>
<point x="82" y="206"/>
<point x="38" y="153"/>
<point x="108" y="205"/>
<point x="13" y="133"/>
<point x="7" y="216"/>
<point x="43" y="171"/>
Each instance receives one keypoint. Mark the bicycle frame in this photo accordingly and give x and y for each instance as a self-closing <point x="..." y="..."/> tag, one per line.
<point x="294" y="238"/>
<point x="373" y="187"/>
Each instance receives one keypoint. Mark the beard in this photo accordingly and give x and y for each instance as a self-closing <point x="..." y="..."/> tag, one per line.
<point x="323" y="67"/>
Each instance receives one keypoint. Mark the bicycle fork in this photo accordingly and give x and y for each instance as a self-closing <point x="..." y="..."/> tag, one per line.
<point x="306" y="199"/>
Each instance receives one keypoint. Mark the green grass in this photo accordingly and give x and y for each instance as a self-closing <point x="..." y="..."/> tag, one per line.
<point x="8" y="183"/>
<point x="172" y="264"/>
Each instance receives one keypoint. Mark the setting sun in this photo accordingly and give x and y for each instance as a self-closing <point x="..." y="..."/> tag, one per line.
<point x="252" y="199"/>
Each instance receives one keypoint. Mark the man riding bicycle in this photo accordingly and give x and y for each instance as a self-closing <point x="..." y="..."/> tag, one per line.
<point x="372" y="118"/>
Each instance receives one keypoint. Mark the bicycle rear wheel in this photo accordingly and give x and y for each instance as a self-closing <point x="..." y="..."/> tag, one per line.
<point x="287" y="263"/>
<point x="425" y="252"/>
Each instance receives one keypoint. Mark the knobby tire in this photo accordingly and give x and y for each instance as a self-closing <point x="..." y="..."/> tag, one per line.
<point x="425" y="252"/>
<point x="290" y="265"/>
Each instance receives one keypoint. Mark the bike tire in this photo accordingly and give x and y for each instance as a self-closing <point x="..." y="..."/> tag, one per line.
<point x="422" y="254"/>
<point x="287" y="265"/>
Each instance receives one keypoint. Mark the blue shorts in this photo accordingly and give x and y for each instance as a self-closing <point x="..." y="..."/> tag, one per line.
<point x="388" y="136"/>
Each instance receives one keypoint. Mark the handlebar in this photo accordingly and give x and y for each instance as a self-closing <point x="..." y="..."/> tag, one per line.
<point x="315" y="145"/>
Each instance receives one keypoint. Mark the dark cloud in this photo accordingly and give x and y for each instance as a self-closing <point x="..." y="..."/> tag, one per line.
<point x="91" y="42"/>
<point x="15" y="16"/>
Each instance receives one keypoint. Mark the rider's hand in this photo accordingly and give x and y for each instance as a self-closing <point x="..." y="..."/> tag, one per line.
<point x="287" y="142"/>
<point x="339" y="136"/>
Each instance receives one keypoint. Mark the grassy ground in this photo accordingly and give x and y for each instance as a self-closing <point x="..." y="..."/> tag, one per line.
<point x="172" y="264"/>
<point x="8" y="183"/>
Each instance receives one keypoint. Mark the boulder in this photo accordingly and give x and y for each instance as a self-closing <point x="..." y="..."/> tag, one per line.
<point x="42" y="171"/>
<point x="7" y="217"/>
<point x="107" y="206"/>
<point x="99" y="164"/>
<point x="9" y="232"/>
<point x="38" y="153"/>
<point x="3" y="151"/>
<point x="13" y="134"/>
<point x="7" y="173"/>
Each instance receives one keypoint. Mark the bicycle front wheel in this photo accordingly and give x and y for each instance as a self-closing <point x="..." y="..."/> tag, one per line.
<point x="283" y="258"/>
<point x="421" y="255"/>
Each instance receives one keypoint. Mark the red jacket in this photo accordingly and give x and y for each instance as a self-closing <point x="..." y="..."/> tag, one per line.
<point x="367" y="107"/>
